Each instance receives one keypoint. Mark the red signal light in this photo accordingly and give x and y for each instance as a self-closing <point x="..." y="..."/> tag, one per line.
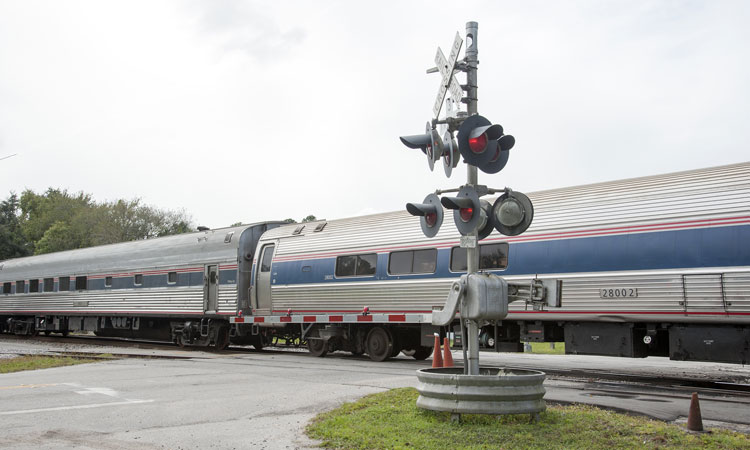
<point x="466" y="214"/>
<point x="479" y="143"/>
<point x="431" y="219"/>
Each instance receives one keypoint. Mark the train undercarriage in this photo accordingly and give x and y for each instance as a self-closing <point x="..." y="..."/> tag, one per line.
<point x="198" y="332"/>
<point x="691" y="341"/>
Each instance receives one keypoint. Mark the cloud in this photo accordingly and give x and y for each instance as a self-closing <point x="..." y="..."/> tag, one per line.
<point x="237" y="26"/>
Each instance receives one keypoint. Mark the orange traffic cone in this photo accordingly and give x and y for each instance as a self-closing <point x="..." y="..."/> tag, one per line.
<point x="447" y="356"/>
<point x="694" y="422"/>
<point x="437" y="357"/>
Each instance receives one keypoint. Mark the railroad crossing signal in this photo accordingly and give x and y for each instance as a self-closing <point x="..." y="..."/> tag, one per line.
<point x="483" y="144"/>
<point x="469" y="212"/>
<point x="430" y="214"/>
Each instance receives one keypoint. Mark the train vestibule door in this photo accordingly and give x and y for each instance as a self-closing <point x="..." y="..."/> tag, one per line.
<point x="263" y="280"/>
<point x="211" y="288"/>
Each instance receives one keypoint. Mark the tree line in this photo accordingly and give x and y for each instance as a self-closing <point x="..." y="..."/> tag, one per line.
<point x="33" y="224"/>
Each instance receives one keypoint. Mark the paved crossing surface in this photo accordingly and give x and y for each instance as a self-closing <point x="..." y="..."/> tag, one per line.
<point x="247" y="399"/>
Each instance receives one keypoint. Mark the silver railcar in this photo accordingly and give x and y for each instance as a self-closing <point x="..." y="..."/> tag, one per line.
<point x="656" y="265"/>
<point x="181" y="288"/>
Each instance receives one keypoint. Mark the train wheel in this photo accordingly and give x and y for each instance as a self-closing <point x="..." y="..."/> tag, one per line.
<point x="317" y="347"/>
<point x="222" y="338"/>
<point x="422" y="353"/>
<point x="379" y="344"/>
<point x="47" y="332"/>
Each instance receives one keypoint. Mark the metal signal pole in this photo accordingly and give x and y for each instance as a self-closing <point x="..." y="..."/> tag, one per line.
<point x="472" y="254"/>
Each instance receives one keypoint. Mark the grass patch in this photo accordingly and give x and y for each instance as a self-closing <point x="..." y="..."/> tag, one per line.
<point x="545" y="348"/>
<point x="34" y="362"/>
<point x="392" y="420"/>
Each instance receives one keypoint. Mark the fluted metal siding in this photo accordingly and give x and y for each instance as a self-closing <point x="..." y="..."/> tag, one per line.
<point x="175" y="300"/>
<point x="737" y="291"/>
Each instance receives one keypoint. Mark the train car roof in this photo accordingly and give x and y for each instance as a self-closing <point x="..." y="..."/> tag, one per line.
<point x="168" y="251"/>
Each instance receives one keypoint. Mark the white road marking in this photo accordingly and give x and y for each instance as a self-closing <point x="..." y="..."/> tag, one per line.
<point x="99" y="390"/>
<point x="65" y="408"/>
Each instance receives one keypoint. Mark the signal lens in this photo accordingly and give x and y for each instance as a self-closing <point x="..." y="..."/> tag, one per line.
<point x="466" y="214"/>
<point x="510" y="213"/>
<point x="479" y="143"/>
<point x="430" y="219"/>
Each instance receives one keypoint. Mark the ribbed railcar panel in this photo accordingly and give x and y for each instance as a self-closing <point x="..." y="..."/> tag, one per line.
<point x="737" y="291"/>
<point x="178" y="300"/>
<point x="385" y="295"/>
<point x="654" y="293"/>
<point x="704" y="292"/>
<point x="227" y="299"/>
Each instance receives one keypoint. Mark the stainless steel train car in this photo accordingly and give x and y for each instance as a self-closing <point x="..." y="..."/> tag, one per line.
<point x="657" y="265"/>
<point x="181" y="288"/>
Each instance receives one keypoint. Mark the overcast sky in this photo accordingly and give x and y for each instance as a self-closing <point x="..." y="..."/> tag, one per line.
<point x="250" y="111"/>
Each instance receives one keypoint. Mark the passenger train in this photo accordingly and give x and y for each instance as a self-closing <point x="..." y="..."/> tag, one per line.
<point x="657" y="265"/>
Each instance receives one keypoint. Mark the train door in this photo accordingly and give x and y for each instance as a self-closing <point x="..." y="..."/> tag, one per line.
<point x="263" y="279"/>
<point x="210" y="288"/>
<point x="704" y="293"/>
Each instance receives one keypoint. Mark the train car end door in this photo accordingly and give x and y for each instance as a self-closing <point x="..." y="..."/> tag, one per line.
<point x="263" y="279"/>
<point x="211" y="288"/>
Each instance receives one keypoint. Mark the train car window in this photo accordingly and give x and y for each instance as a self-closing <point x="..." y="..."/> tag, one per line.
<point x="81" y="283"/>
<point x="413" y="261"/>
<point x="400" y="262"/>
<point x="491" y="257"/>
<point x="33" y="285"/>
<point x="107" y="281"/>
<point x="265" y="264"/>
<point x="367" y="264"/>
<point x="64" y="284"/>
<point x="49" y="284"/>
<point x="138" y="279"/>
<point x="172" y="277"/>
<point x="425" y="261"/>
<point x="346" y="266"/>
<point x="20" y="287"/>
<point x="6" y="287"/>
<point x="356" y="265"/>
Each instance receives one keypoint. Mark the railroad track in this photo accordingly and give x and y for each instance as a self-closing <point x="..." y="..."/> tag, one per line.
<point x="613" y="382"/>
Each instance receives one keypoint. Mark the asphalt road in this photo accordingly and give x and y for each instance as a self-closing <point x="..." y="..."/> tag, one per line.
<point x="261" y="400"/>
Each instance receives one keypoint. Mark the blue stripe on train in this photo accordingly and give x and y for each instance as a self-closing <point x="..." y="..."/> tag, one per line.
<point x="703" y="247"/>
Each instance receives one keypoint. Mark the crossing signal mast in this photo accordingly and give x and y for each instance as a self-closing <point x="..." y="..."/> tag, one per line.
<point x="483" y="146"/>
